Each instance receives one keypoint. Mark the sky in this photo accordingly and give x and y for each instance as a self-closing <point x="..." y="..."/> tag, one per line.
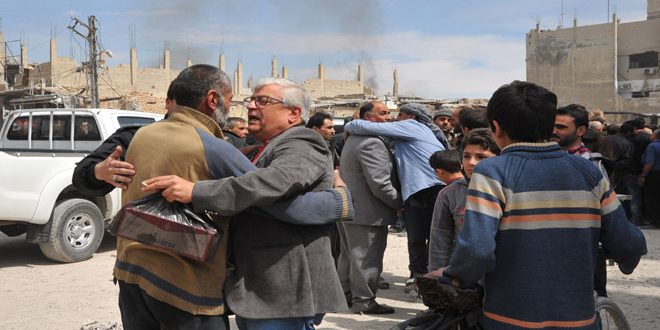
<point x="441" y="49"/>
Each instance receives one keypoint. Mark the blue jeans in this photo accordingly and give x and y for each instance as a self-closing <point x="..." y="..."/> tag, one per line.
<point x="299" y="323"/>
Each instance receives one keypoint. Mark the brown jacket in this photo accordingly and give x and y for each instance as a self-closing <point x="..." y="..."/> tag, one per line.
<point x="173" y="146"/>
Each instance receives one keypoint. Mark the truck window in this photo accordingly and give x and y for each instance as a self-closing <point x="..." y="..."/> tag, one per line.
<point x="128" y="120"/>
<point x="40" y="128"/>
<point x="86" y="129"/>
<point x="19" y="129"/>
<point x="61" y="128"/>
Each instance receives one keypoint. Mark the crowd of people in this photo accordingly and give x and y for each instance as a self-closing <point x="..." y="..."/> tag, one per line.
<point x="517" y="196"/>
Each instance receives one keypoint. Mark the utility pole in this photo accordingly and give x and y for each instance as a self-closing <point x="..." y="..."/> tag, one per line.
<point x="92" y="64"/>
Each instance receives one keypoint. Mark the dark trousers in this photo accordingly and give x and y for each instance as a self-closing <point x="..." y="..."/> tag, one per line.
<point x="139" y="311"/>
<point x="651" y="195"/>
<point x="631" y="183"/>
<point x="600" y="274"/>
<point x="335" y="243"/>
<point x="417" y="216"/>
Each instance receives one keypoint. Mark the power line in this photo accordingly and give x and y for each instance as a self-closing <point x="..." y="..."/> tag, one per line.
<point x="92" y="64"/>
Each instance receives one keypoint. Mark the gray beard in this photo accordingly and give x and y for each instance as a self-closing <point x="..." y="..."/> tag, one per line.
<point x="219" y="116"/>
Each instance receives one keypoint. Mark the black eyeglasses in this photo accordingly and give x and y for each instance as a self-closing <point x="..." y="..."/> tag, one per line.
<point x="261" y="101"/>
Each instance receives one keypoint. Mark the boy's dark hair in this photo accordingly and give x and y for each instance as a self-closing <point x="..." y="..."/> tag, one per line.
<point x="474" y="117"/>
<point x="577" y="112"/>
<point x="638" y="123"/>
<point x="448" y="160"/>
<point x="524" y="111"/>
<point x="317" y="119"/>
<point x="613" y="129"/>
<point x="482" y="137"/>
<point x="627" y="129"/>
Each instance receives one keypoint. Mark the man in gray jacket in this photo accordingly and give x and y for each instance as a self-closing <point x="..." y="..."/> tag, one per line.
<point x="284" y="274"/>
<point x="367" y="168"/>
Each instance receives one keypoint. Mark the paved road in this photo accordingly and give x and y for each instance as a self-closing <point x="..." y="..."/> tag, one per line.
<point x="39" y="294"/>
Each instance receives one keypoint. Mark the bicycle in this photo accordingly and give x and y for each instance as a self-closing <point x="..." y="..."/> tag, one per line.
<point x="450" y="307"/>
<point x="611" y="316"/>
<point x="453" y="307"/>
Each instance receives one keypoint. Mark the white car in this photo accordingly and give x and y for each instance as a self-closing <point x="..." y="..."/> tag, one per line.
<point x="39" y="149"/>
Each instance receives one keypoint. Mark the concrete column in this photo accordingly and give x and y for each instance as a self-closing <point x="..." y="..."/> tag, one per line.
<point x="360" y="75"/>
<point x="134" y="66"/>
<point x="167" y="65"/>
<point x="3" y="78"/>
<point x="321" y="71"/>
<point x="221" y="63"/>
<point x="235" y="82"/>
<point x="250" y="83"/>
<point x="322" y="78"/>
<point x="574" y="61"/>
<point x="615" y="68"/>
<point x="360" y="72"/>
<point x="53" y="62"/>
<point x="395" y="87"/>
<point x="239" y="79"/>
<point x="285" y="72"/>
<point x="24" y="56"/>
<point x="189" y="63"/>
<point x="273" y="68"/>
<point x="652" y="9"/>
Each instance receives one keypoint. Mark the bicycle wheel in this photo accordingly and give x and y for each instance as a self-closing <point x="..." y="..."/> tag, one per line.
<point x="611" y="316"/>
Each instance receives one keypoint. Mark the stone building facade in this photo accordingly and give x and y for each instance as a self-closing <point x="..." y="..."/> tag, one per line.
<point x="611" y="67"/>
<point x="132" y="87"/>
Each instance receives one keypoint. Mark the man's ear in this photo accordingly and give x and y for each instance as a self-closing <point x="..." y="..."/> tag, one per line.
<point x="580" y="131"/>
<point x="212" y="100"/>
<point x="295" y="115"/>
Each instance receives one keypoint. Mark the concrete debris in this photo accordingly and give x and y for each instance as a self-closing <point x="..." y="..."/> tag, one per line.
<point x="96" y="325"/>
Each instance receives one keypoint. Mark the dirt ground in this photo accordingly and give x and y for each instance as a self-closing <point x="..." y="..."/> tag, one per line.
<point x="39" y="294"/>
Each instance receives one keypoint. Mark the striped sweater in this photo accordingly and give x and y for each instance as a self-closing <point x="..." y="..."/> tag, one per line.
<point x="534" y="218"/>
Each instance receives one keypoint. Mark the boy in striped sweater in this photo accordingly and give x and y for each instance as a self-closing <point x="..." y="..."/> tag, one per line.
<point x="534" y="218"/>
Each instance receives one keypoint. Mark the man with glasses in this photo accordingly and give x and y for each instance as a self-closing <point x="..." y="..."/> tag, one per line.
<point x="284" y="275"/>
<point x="161" y="289"/>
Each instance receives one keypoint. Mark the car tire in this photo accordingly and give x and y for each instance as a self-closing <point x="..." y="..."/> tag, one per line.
<point x="76" y="231"/>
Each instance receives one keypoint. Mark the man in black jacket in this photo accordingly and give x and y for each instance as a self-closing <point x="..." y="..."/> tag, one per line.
<point x="235" y="131"/>
<point x="104" y="169"/>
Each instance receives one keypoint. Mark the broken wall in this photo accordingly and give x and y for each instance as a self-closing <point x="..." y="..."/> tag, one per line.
<point x="577" y="64"/>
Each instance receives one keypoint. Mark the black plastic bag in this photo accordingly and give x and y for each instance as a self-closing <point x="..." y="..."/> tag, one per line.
<point x="174" y="227"/>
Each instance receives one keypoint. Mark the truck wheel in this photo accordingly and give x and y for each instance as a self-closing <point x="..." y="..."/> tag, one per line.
<point x="76" y="231"/>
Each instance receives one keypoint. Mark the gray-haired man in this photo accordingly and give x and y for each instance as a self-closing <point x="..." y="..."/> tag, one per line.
<point x="284" y="274"/>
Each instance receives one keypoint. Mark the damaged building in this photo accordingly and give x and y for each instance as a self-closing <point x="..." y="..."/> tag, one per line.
<point x="611" y="67"/>
<point x="62" y="82"/>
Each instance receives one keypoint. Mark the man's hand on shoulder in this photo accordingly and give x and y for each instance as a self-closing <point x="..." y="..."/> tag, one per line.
<point x="174" y="188"/>
<point x="114" y="171"/>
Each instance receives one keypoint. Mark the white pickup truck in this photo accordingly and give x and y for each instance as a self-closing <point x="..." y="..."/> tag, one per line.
<point x="39" y="149"/>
